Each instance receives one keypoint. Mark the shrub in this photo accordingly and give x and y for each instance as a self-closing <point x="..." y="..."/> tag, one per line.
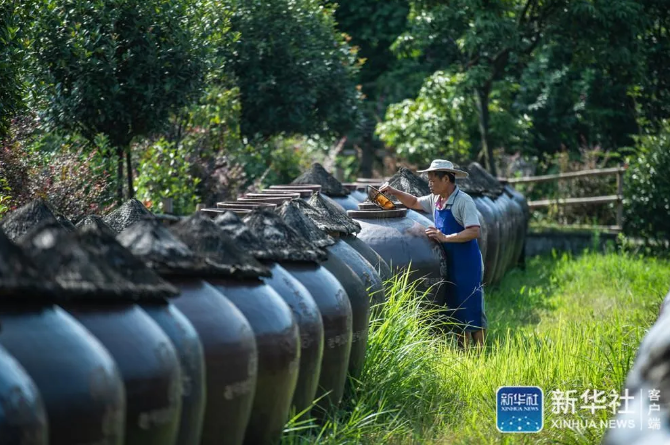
<point x="69" y="171"/>
<point x="166" y="173"/>
<point x="647" y="188"/>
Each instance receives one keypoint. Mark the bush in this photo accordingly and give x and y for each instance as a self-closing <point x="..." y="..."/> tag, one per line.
<point x="647" y="192"/>
<point x="166" y="173"/>
<point x="69" y="171"/>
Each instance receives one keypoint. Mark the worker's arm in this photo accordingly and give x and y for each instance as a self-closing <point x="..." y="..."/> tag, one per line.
<point x="467" y="234"/>
<point x="408" y="200"/>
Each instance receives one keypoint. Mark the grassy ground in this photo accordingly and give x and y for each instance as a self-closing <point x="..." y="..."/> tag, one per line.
<point x="563" y="324"/>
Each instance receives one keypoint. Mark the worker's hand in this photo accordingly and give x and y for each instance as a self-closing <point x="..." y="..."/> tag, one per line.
<point x="386" y="188"/>
<point x="436" y="235"/>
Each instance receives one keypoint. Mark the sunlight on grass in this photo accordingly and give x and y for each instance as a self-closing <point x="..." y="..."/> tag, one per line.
<point x="563" y="324"/>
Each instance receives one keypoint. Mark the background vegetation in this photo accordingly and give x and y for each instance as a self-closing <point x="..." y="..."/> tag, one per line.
<point x="198" y="100"/>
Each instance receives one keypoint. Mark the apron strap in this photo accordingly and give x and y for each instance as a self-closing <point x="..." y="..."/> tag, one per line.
<point x="449" y="206"/>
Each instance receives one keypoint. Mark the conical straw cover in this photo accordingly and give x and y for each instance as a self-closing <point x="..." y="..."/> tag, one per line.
<point x="23" y="219"/>
<point x="329" y="217"/>
<point x="282" y="240"/>
<point x="230" y="223"/>
<point x="126" y="215"/>
<point x="152" y="242"/>
<point x="90" y="264"/>
<point x="19" y="276"/>
<point x="207" y="239"/>
<point x="97" y="221"/>
<point x="318" y="175"/>
<point x="294" y="216"/>
<point x="406" y="181"/>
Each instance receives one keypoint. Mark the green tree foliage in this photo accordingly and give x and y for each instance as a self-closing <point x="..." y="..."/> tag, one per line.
<point x="578" y="86"/>
<point x="493" y="40"/>
<point x="436" y="124"/>
<point x="442" y="122"/>
<point x="653" y="92"/>
<point x="294" y="70"/>
<point x="647" y="194"/>
<point x="11" y="61"/>
<point x="116" y="67"/>
<point x="373" y="26"/>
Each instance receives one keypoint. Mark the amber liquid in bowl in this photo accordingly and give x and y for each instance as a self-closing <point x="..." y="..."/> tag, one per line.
<point x="380" y="199"/>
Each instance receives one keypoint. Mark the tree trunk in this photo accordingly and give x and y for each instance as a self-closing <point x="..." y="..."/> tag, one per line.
<point x="129" y="167"/>
<point x="367" y="147"/>
<point x="483" y="114"/>
<point x="367" y="159"/>
<point x="119" y="175"/>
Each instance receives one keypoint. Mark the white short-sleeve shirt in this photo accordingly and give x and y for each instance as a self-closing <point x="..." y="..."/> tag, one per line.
<point x="462" y="207"/>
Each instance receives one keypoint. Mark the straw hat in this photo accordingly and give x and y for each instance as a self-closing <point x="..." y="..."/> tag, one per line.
<point x="442" y="165"/>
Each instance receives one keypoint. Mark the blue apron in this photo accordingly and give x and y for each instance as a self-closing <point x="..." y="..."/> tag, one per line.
<point x="464" y="296"/>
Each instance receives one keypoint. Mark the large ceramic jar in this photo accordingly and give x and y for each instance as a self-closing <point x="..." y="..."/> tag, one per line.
<point x="76" y="376"/>
<point x="300" y="300"/>
<point x="506" y="236"/>
<point x="513" y="214"/>
<point x="149" y="367"/>
<point x="370" y="255"/>
<point x="301" y="259"/>
<point x="521" y="200"/>
<point x="275" y="330"/>
<point x="360" y="310"/>
<point x="278" y="343"/>
<point x="23" y="419"/>
<point x="489" y="215"/>
<point x="350" y="269"/>
<point x="519" y="225"/>
<point x="363" y="269"/>
<point x="336" y="316"/>
<point x="401" y="241"/>
<point x="336" y="223"/>
<point x="421" y="217"/>
<point x="145" y="355"/>
<point x="78" y="379"/>
<point x="229" y="348"/>
<point x="219" y="372"/>
<point x="189" y="350"/>
<point x="307" y="315"/>
<point x="355" y="192"/>
<point x="346" y="202"/>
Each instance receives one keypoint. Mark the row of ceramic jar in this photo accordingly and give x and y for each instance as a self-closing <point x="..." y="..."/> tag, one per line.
<point x="503" y="226"/>
<point x="223" y="362"/>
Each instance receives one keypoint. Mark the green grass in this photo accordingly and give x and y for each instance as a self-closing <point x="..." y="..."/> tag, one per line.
<point x="563" y="324"/>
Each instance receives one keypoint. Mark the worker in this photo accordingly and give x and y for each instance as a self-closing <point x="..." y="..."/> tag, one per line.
<point x="456" y="229"/>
